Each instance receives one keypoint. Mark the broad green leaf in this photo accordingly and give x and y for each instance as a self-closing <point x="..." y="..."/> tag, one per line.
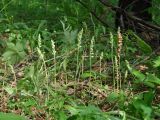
<point x="30" y="102"/>
<point x="88" y="74"/>
<point x="141" y="107"/>
<point x="140" y="76"/>
<point x="157" y="62"/>
<point x="10" y="116"/>
<point x="31" y="72"/>
<point x="113" y="97"/>
<point x="136" y="73"/>
<point x="143" y="46"/>
<point x="72" y="110"/>
<point x="148" y="97"/>
<point x="149" y="84"/>
<point x="147" y="111"/>
<point x="19" y="46"/>
<point x="14" y="53"/>
<point x="60" y="115"/>
<point x="11" y="45"/>
<point x="153" y="79"/>
<point x="89" y="112"/>
<point x="10" y="90"/>
<point x="7" y="55"/>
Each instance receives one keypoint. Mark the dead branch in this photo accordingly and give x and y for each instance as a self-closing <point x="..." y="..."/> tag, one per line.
<point x="120" y="11"/>
<point x="130" y="16"/>
<point x="93" y="13"/>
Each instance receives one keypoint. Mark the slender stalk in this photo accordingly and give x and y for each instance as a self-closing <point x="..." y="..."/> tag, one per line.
<point x="112" y="54"/>
<point x="54" y="56"/>
<point x="91" y="55"/>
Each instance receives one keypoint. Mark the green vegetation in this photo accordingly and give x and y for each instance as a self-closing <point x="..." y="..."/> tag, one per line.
<point x="58" y="62"/>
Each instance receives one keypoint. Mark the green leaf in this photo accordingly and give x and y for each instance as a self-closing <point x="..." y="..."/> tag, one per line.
<point x="157" y="62"/>
<point x="14" y="53"/>
<point x="142" y="108"/>
<point x="7" y="55"/>
<point x="139" y="75"/>
<point x="148" y="97"/>
<point x="143" y="46"/>
<point x="11" y="45"/>
<point x="72" y="110"/>
<point x="60" y="115"/>
<point x="30" y="102"/>
<point x="153" y="79"/>
<point x="10" y="116"/>
<point x="136" y="73"/>
<point x="149" y="84"/>
<point x="69" y="37"/>
<point x="88" y="74"/>
<point x="10" y="90"/>
<point x="112" y="97"/>
<point x="19" y="46"/>
<point x="147" y="111"/>
<point x="89" y="112"/>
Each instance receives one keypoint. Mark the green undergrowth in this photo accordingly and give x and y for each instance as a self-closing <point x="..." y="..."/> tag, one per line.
<point x="70" y="67"/>
<point x="75" y="75"/>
